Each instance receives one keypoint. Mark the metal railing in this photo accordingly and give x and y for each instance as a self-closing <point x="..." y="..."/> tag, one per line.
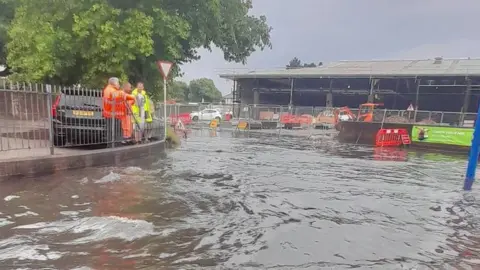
<point x="284" y="116"/>
<point x="311" y="116"/>
<point x="38" y="119"/>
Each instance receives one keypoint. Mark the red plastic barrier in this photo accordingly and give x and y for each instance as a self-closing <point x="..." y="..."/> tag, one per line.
<point x="287" y="118"/>
<point x="392" y="137"/>
<point x="184" y="117"/>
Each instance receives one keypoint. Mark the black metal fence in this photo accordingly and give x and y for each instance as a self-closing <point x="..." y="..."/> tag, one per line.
<point x="37" y="119"/>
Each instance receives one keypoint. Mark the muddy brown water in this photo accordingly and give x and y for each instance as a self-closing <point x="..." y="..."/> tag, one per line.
<point x="253" y="201"/>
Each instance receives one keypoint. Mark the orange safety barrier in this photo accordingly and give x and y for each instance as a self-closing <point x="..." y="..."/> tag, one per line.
<point x="184" y="117"/>
<point x="287" y="118"/>
<point x="392" y="137"/>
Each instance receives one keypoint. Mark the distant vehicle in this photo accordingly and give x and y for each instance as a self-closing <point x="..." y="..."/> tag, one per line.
<point x="78" y="120"/>
<point x="206" y="115"/>
<point x="343" y="114"/>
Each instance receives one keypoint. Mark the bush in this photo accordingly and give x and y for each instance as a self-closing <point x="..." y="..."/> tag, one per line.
<point x="172" y="138"/>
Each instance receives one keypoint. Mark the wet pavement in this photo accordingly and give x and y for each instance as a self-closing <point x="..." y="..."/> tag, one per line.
<point x="249" y="201"/>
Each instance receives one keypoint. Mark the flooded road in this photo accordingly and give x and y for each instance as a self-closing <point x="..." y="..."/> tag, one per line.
<point x="258" y="202"/>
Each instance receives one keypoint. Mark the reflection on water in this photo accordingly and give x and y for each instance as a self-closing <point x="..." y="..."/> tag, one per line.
<point x="247" y="202"/>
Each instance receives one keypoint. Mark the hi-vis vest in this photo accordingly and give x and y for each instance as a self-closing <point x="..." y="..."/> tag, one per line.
<point x="113" y="102"/>
<point x="146" y="106"/>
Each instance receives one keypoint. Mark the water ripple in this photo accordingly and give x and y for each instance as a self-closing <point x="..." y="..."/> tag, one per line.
<point x="248" y="202"/>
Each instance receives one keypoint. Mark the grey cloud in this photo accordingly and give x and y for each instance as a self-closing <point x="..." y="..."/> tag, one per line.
<point x="329" y="30"/>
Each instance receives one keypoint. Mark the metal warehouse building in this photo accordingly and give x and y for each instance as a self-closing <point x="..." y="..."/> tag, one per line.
<point x="432" y="84"/>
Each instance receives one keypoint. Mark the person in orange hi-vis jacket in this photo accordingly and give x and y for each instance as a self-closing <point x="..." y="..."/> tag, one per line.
<point x="114" y="110"/>
<point x="127" y="124"/>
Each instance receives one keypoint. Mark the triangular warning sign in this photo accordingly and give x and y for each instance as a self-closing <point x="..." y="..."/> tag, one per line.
<point x="165" y="67"/>
<point x="410" y="108"/>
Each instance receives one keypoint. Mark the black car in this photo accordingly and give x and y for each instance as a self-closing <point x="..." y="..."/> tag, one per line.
<point x="78" y="120"/>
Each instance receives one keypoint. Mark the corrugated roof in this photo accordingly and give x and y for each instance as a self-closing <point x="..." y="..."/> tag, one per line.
<point x="376" y="68"/>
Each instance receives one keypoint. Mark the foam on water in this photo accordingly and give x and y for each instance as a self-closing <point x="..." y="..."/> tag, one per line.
<point x="21" y="248"/>
<point x="111" y="177"/>
<point x="11" y="197"/>
<point x="98" y="228"/>
<point x="5" y="222"/>
<point x="28" y="213"/>
<point x="132" y="170"/>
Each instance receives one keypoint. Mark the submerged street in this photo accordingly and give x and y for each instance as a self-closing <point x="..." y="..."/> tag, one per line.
<point x="247" y="202"/>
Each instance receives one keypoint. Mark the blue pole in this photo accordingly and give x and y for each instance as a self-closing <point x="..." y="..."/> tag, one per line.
<point x="473" y="156"/>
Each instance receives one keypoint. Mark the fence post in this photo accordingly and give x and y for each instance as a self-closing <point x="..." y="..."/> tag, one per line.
<point x="279" y="123"/>
<point x="50" y="118"/>
<point x="113" y="117"/>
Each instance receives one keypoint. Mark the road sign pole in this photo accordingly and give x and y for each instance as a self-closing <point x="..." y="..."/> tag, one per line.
<point x="165" y="67"/>
<point x="473" y="156"/>
<point x="165" y="105"/>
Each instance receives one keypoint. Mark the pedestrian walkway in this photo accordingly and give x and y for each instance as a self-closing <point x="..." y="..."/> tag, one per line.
<point x="12" y="148"/>
<point x="23" y="139"/>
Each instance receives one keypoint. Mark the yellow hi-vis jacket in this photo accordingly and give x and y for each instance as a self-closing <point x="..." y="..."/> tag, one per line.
<point x="146" y="106"/>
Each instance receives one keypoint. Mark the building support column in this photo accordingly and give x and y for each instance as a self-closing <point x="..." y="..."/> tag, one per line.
<point x="329" y="101"/>
<point x="256" y="97"/>
<point x="371" y="95"/>
<point x="416" y="100"/>
<point x="466" y="100"/>
<point x="292" y="89"/>
<point x="417" y="93"/>
<point x="255" y="113"/>
<point x="236" y="101"/>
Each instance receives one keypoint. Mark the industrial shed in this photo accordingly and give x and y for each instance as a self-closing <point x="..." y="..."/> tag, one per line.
<point x="430" y="84"/>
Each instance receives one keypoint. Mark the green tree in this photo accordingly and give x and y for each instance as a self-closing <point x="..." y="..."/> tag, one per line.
<point x="7" y="8"/>
<point x="179" y="91"/>
<point x="204" y="89"/>
<point x="294" y="63"/>
<point x="86" y="41"/>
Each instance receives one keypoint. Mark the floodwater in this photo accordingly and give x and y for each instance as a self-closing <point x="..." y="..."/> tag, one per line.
<point x="247" y="202"/>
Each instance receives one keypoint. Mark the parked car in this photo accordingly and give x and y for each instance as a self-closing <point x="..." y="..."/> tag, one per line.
<point x="206" y="115"/>
<point x="78" y="120"/>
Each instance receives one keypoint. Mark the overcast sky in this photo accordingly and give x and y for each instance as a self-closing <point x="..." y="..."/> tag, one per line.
<point x="330" y="30"/>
